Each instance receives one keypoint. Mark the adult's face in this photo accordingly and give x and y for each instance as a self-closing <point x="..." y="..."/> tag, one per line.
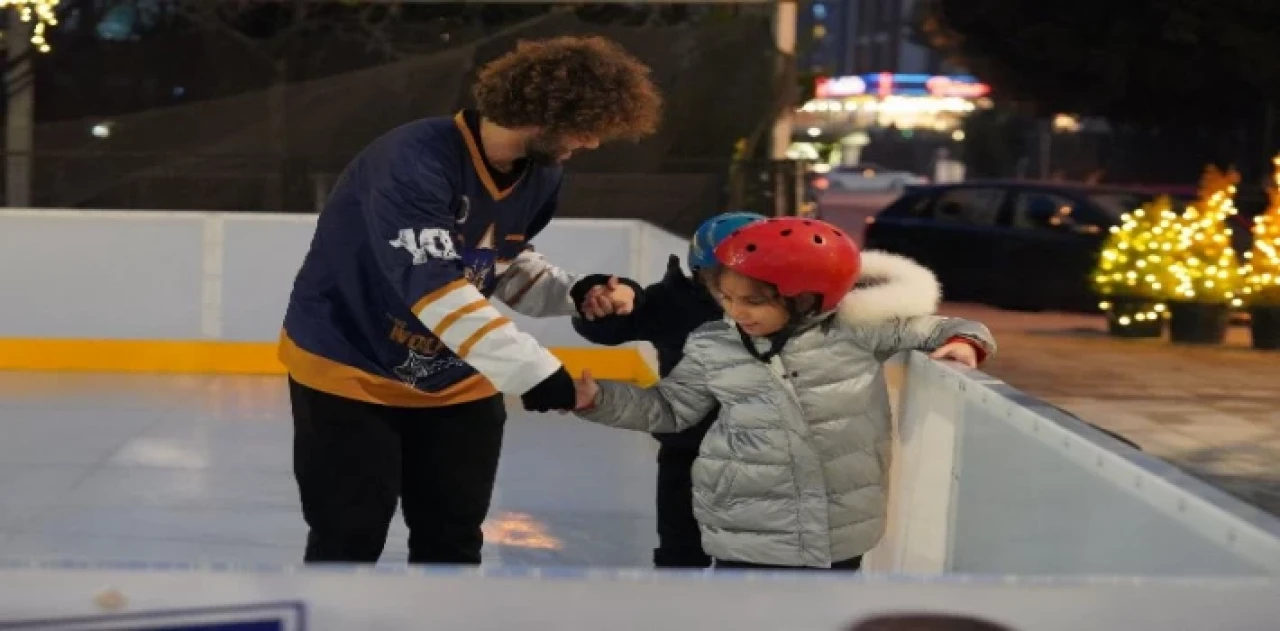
<point x="547" y="149"/>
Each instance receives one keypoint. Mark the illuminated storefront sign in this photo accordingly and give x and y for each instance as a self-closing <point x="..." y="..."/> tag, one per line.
<point x="889" y="84"/>
<point x="963" y="87"/>
<point x="837" y="87"/>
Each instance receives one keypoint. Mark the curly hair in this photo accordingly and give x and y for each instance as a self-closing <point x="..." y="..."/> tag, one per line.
<point x="796" y="306"/>
<point x="579" y="86"/>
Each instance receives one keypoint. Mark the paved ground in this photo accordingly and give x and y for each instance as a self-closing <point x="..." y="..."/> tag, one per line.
<point x="1215" y="411"/>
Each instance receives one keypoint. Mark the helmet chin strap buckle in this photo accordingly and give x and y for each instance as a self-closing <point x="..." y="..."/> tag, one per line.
<point x="776" y="342"/>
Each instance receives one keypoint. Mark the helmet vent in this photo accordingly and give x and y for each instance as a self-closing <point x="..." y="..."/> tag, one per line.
<point x="817" y="239"/>
<point x="786" y="233"/>
<point x="751" y="247"/>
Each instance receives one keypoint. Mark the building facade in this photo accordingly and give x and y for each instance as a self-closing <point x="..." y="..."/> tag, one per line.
<point x="823" y="36"/>
<point x="876" y="91"/>
<point x="857" y="37"/>
<point x="879" y="40"/>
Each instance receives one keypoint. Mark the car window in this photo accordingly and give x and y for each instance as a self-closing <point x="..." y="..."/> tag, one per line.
<point x="909" y="205"/>
<point x="1117" y="204"/>
<point x="973" y="206"/>
<point x="1039" y="210"/>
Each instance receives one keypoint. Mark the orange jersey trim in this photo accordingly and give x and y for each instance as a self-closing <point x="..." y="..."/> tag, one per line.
<point x="465" y="348"/>
<point x="331" y="377"/>
<point x="477" y="160"/>
<point x="437" y="294"/>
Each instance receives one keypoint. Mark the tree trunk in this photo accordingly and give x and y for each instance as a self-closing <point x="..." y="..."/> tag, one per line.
<point x="778" y="123"/>
<point x="19" y="124"/>
<point x="278" y="136"/>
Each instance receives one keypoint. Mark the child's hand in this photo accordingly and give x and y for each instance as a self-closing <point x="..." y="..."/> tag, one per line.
<point x="587" y="390"/>
<point x="609" y="298"/>
<point x="961" y="352"/>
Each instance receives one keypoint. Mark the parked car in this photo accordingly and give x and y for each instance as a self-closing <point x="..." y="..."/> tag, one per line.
<point x="1019" y="245"/>
<point x="868" y="177"/>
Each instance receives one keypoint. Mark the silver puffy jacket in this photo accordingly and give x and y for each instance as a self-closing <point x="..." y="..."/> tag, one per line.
<point x="793" y="471"/>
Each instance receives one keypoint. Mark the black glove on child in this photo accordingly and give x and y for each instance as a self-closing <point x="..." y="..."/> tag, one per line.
<point x="554" y="393"/>
<point x="578" y="293"/>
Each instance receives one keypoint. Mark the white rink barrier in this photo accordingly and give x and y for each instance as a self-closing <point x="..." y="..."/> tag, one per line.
<point x="988" y="480"/>
<point x="112" y="275"/>
<point x="80" y="598"/>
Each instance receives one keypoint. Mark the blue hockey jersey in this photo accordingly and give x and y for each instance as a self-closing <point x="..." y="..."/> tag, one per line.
<point x="391" y="305"/>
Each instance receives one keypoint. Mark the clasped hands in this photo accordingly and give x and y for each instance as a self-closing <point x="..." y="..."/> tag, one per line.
<point x="608" y="298"/>
<point x="586" y="389"/>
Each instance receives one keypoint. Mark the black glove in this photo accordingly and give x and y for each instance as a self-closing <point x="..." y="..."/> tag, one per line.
<point x="578" y="293"/>
<point x="554" y="393"/>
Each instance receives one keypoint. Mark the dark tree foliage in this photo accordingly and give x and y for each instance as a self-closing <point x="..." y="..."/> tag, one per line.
<point x="1186" y="63"/>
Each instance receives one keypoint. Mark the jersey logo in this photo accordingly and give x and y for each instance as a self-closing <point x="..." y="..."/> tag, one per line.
<point x="430" y="243"/>
<point x="417" y="367"/>
<point x="479" y="268"/>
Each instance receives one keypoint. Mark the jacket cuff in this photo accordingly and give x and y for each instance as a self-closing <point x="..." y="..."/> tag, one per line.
<point x="978" y="348"/>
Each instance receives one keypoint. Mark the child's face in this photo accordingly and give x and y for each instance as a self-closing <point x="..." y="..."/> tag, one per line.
<point x="750" y="304"/>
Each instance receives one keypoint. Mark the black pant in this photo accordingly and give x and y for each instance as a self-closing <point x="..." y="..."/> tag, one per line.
<point x="679" y="538"/>
<point x="849" y="565"/>
<point x="354" y="461"/>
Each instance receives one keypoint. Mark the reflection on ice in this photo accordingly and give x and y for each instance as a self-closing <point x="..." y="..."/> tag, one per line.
<point x="519" y="530"/>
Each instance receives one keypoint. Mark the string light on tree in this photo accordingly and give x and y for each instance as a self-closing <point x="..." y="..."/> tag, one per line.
<point x="1262" y="267"/>
<point x="1203" y="263"/>
<point x="1134" y="263"/>
<point x="44" y="12"/>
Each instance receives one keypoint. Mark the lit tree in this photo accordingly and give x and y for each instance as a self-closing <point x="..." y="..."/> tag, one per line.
<point x="1134" y="263"/>
<point x="1203" y="263"/>
<point x="44" y="14"/>
<point x="1263" y="267"/>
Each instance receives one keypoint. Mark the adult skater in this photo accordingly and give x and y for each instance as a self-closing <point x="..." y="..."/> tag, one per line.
<point x="397" y="359"/>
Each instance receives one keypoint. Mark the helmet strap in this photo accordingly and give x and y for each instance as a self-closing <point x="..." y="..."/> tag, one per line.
<point x="776" y="341"/>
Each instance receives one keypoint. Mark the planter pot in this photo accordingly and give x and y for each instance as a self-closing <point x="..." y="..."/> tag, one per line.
<point x="1198" y="322"/>
<point x="1133" y="318"/>
<point x="1264" y="323"/>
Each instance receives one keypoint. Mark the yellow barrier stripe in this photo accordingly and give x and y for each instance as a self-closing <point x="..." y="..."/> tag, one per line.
<point x="245" y="358"/>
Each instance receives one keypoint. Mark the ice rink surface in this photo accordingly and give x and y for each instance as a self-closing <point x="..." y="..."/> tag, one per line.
<point x="197" y="468"/>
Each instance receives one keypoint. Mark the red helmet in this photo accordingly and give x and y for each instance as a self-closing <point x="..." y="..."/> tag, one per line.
<point x="796" y="255"/>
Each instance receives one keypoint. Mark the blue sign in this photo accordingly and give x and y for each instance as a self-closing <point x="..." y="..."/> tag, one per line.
<point x="286" y="616"/>
<point x="891" y="84"/>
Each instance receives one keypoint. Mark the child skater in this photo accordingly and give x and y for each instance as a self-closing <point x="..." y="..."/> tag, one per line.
<point x="792" y="472"/>
<point x="664" y="314"/>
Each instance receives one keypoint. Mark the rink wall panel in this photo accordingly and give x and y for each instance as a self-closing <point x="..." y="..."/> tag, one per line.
<point x="206" y="292"/>
<point x="50" y="597"/>
<point x="987" y="480"/>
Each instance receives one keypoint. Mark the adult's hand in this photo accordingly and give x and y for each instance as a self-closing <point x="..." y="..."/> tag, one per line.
<point x="610" y="298"/>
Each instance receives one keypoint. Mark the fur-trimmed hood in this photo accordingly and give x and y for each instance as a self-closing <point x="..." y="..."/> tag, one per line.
<point x="891" y="286"/>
